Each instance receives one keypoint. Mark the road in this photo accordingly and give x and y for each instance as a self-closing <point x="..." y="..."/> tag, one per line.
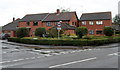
<point x="22" y="57"/>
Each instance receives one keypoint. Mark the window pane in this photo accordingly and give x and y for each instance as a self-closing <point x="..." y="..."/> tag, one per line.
<point x="91" y="32"/>
<point x="83" y="23"/>
<point x="99" y="22"/>
<point x="28" y="23"/>
<point x="91" y="23"/>
<point x="99" y="32"/>
<point x="49" y="24"/>
<point x="35" y="23"/>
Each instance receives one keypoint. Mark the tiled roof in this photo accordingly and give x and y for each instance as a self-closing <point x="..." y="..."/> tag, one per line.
<point x="34" y="17"/>
<point x="11" y="25"/>
<point x="96" y="16"/>
<point x="66" y="26"/>
<point x="64" y="16"/>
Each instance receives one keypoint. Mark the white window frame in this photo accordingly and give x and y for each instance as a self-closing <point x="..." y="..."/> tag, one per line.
<point x="83" y="22"/>
<point x="99" y="22"/>
<point x="91" y="23"/>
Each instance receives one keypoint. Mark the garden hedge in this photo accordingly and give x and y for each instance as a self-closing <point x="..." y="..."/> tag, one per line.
<point x="84" y="42"/>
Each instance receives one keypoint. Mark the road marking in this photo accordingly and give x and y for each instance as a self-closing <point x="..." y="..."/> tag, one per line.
<point x="4" y="52"/>
<point x="33" y="58"/>
<point x="114" y="54"/>
<point x="73" y="62"/>
<point x="27" y="58"/>
<point x="18" y="60"/>
<point x="5" y="62"/>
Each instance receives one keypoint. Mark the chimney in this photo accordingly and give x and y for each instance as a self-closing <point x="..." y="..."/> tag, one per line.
<point x="18" y="19"/>
<point x="58" y="11"/>
<point x="13" y="18"/>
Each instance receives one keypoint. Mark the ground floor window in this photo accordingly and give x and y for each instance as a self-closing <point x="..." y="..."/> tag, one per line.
<point x="99" y="32"/>
<point x="91" y="32"/>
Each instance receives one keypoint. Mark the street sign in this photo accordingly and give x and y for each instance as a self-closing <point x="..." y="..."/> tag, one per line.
<point x="58" y="28"/>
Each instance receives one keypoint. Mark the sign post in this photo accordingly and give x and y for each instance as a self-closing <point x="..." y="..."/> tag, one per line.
<point x="59" y="28"/>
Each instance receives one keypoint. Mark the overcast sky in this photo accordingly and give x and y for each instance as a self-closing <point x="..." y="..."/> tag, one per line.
<point x="19" y="8"/>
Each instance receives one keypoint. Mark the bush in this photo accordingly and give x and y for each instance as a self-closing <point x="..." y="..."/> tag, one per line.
<point x="81" y="31"/>
<point x="22" y="32"/>
<point x="40" y="32"/>
<point x="53" y="32"/>
<point x="77" y="42"/>
<point x="108" y="31"/>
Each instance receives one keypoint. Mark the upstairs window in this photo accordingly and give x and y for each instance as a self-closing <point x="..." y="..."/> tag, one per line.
<point x="91" y="23"/>
<point x="35" y="23"/>
<point x="73" y="23"/>
<point x="28" y="23"/>
<point x="84" y="23"/>
<point x="99" y="22"/>
<point x="55" y="23"/>
<point x="48" y="24"/>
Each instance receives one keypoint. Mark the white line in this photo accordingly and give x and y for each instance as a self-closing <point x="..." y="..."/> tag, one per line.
<point x="18" y="60"/>
<point x="5" y="62"/>
<point x="73" y="62"/>
<point x="32" y="58"/>
<point x="27" y="58"/>
<point x="113" y="54"/>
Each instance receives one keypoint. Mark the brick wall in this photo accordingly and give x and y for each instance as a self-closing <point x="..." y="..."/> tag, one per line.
<point x="96" y="27"/>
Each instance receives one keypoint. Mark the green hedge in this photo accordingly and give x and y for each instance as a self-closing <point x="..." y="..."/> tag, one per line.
<point x="82" y="42"/>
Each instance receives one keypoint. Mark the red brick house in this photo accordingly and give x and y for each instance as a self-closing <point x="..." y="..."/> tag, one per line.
<point x="49" y="20"/>
<point x="95" y="22"/>
<point x="11" y="28"/>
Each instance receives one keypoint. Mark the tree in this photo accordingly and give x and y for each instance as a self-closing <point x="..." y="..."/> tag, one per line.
<point x="53" y="32"/>
<point x="40" y="32"/>
<point x="81" y="31"/>
<point x="64" y="10"/>
<point x="108" y="31"/>
<point x="116" y="19"/>
<point x="22" y="32"/>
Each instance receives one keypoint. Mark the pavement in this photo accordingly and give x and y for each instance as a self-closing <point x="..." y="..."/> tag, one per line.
<point x="60" y="47"/>
<point x="17" y="56"/>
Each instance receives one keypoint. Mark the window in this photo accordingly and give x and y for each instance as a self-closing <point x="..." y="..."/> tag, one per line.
<point x="91" y="23"/>
<point x="73" y="23"/>
<point x="55" y="23"/>
<point x="84" y="23"/>
<point x="91" y="32"/>
<point x="33" y="32"/>
<point x="49" y="24"/>
<point x="99" y="32"/>
<point x="28" y="23"/>
<point x="35" y="23"/>
<point x="99" y="22"/>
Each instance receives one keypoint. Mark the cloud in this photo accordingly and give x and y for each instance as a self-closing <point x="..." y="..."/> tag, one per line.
<point x="19" y="8"/>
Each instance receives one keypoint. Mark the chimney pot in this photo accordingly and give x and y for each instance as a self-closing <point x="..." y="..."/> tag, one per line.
<point x="13" y="18"/>
<point x="58" y="11"/>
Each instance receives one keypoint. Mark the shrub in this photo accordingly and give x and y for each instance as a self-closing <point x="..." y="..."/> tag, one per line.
<point x="53" y="32"/>
<point x="40" y="32"/>
<point x="108" y="31"/>
<point x="81" y="31"/>
<point x="22" y="32"/>
<point x="77" y="42"/>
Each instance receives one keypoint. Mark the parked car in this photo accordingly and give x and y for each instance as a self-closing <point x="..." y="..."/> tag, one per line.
<point x="4" y="36"/>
